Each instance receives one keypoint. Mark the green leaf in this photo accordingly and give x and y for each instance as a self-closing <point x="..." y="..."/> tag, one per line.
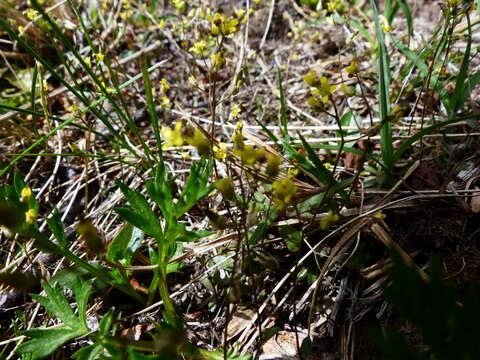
<point x="105" y="325"/>
<point x="292" y="237"/>
<point x="160" y="191"/>
<point x="56" y="226"/>
<point x="386" y="142"/>
<point x="324" y="176"/>
<point x="123" y="246"/>
<point x="44" y="341"/>
<point x="18" y="182"/>
<point x="143" y="217"/>
<point x="195" y="186"/>
<point x="89" y="352"/>
<point x="461" y="85"/>
<point x="57" y="304"/>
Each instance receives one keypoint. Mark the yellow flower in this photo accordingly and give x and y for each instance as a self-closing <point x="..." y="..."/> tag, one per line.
<point x="25" y="194"/>
<point x="324" y="89"/>
<point x="249" y="154"/>
<point x="237" y="137"/>
<point x="31" y="14"/>
<point x="283" y="191"/>
<point x="220" y="151"/>
<point x="174" y="137"/>
<point x="235" y="111"/>
<point x="217" y="60"/>
<point x="165" y="102"/>
<point x="348" y="91"/>
<point x="240" y="12"/>
<point x="192" y="80"/>
<point x="198" y="47"/>
<point x="99" y="57"/>
<point x="74" y="108"/>
<point x="226" y="188"/>
<point x="352" y="69"/>
<point x="230" y="26"/>
<point x="200" y="141"/>
<point x="164" y="85"/>
<point x="179" y="5"/>
<point x="30" y="216"/>
<point x="379" y="215"/>
<point x="311" y="78"/>
<point x="87" y="61"/>
<point x="273" y="164"/>
<point x="162" y="24"/>
<point x="387" y="28"/>
<point x="316" y="104"/>
<point x="223" y="25"/>
<point x="328" y="220"/>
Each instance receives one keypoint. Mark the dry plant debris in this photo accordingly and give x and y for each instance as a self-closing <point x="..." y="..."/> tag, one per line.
<point x="233" y="179"/>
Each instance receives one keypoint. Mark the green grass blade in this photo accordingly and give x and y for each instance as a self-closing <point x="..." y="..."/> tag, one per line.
<point x="386" y="142"/>
<point x="150" y="105"/>
<point x="460" y="85"/>
<point x="283" y="106"/>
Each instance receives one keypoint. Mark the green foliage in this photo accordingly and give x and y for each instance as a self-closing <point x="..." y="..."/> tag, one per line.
<point x="445" y="318"/>
<point x="44" y="341"/>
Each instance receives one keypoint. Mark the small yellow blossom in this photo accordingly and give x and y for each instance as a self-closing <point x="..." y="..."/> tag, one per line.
<point x="192" y="80"/>
<point x="328" y="220"/>
<point x="348" y="91"/>
<point x="311" y="78"/>
<point x="324" y="89"/>
<point x="387" y="28"/>
<point x="200" y="141"/>
<point x="235" y="111"/>
<point x="74" y="108"/>
<point x="379" y="215"/>
<point x="223" y="25"/>
<point x="283" y="191"/>
<point x="164" y="85"/>
<point x="179" y="5"/>
<point x="165" y="102"/>
<point x="220" y="151"/>
<point x="352" y="69"/>
<point x="87" y="61"/>
<point x="45" y="85"/>
<point x="31" y="14"/>
<point x="226" y="188"/>
<point x="273" y="165"/>
<point x="25" y="194"/>
<point x="249" y="154"/>
<point x="99" y="57"/>
<point x="21" y="30"/>
<point x="174" y="137"/>
<point x="30" y="216"/>
<point x="199" y="47"/>
<point x="237" y="137"/>
<point x="240" y="12"/>
<point x="217" y="60"/>
<point x="162" y="24"/>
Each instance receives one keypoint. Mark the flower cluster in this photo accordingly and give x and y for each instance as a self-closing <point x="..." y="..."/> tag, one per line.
<point x="322" y="91"/>
<point x="223" y="25"/>
<point x="182" y="134"/>
<point x="284" y="190"/>
<point x="247" y="153"/>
